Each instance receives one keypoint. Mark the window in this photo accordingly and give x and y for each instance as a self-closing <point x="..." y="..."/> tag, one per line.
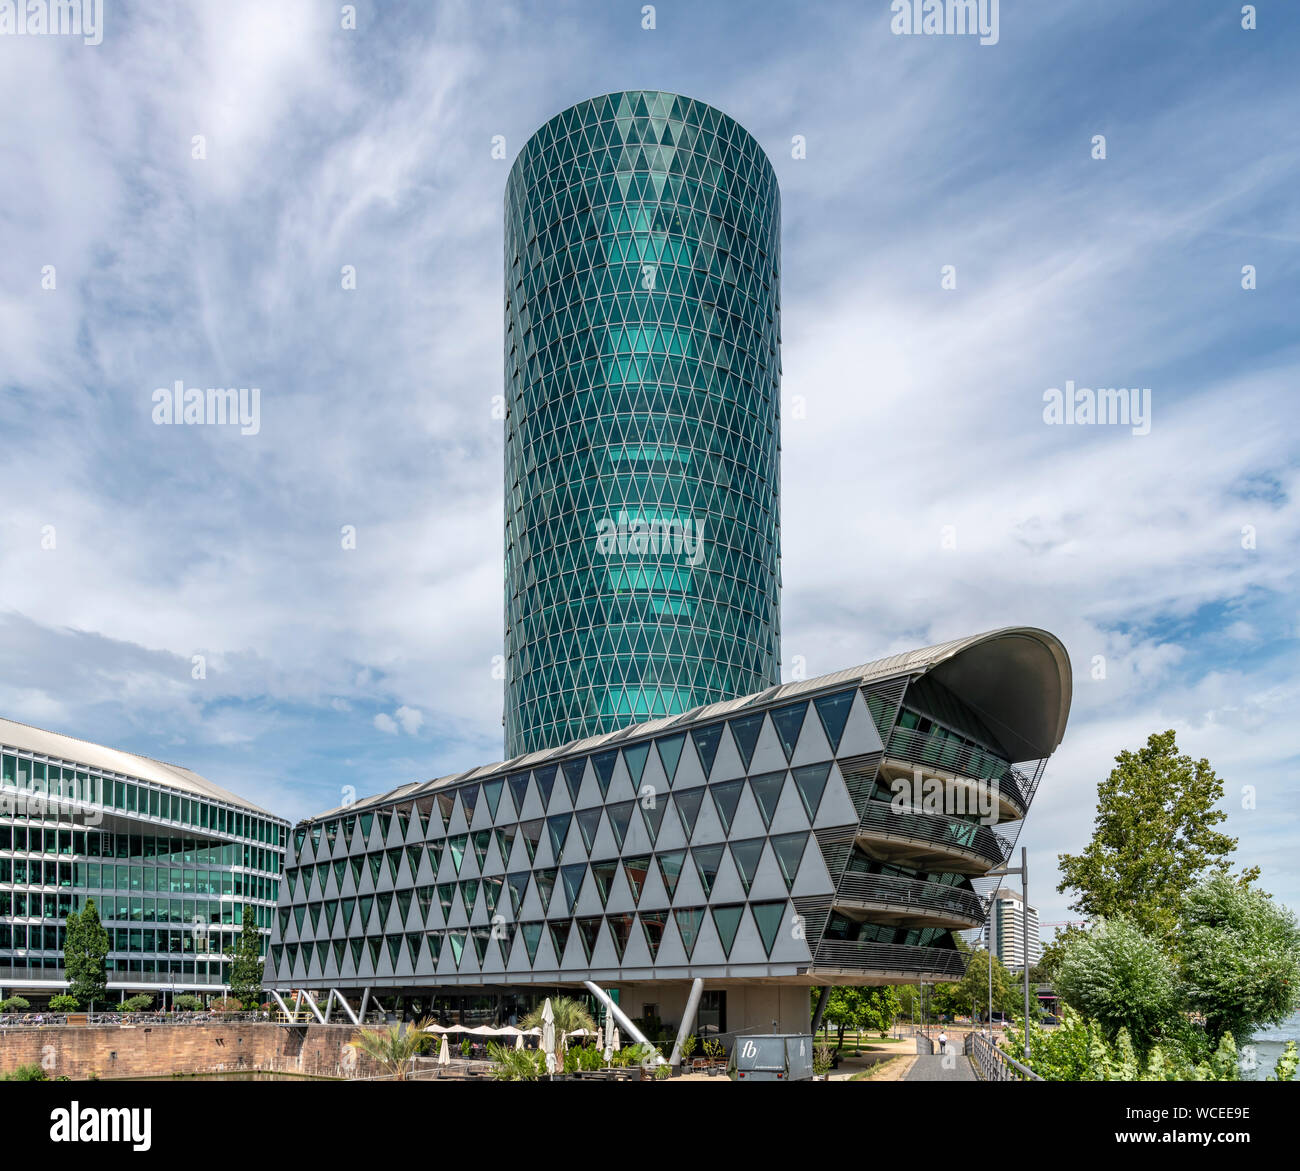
<point x="712" y="1018"/>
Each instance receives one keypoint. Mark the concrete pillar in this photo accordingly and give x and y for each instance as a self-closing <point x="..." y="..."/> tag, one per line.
<point x="688" y="1021"/>
<point x="625" y="1021"/>
<point x="822" y="1002"/>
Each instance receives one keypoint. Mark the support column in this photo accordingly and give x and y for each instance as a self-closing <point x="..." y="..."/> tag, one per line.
<point x="311" y="1004"/>
<point x="625" y="1021"/>
<point x="688" y="1021"/>
<point x="365" y="1000"/>
<point x="822" y="1001"/>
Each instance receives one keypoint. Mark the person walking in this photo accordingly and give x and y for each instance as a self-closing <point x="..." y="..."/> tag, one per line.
<point x="943" y="1041"/>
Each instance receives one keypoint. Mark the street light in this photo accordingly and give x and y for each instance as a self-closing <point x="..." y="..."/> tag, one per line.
<point x="1023" y="871"/>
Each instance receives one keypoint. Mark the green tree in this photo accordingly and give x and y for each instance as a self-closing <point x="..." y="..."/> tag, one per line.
<point x="1153" y="838"/>
<point x="1240" y="955"/>
<point x="973" y="990"/>
<point x="85" y="955"/>
<point x="1121" y="978"/>
<point x="246" y="963"/>
<point x="859" y="1009"/>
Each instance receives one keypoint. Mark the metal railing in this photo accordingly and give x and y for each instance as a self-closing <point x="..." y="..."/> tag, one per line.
<point x="854" y="956"/>
<point x="910" y="895"/>
<point x="30" y="1020"/>
<point x="993" y="1064"/>
<point x="948" y="833"/>
<point x="966" y="761"/>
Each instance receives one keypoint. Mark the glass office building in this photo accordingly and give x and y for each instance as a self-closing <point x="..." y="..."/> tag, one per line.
<point x="169" y="858"/>
<point x="642" y="444"/>
<point x="762" y="845"/>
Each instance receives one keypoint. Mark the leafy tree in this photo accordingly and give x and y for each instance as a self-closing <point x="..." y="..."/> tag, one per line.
<point x="860" y="1009"/>
<point x="973" y="990"/>
<point x="64" y="1004"/>
<point x="246" y="964"/>
<point x="138" y="1003"/>
<point x="85" y="954"/>
<point x="1153" y="838"/>
<point x="1120" y="977"/>
<point x="1050" y="960"/>
<point x="1240" y="954"/>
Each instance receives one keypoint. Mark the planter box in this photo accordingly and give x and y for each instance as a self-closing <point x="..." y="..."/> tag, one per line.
<point x="77" y="1019"/>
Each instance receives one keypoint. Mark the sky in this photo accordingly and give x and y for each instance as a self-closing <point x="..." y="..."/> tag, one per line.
<point x="253" y="195"/>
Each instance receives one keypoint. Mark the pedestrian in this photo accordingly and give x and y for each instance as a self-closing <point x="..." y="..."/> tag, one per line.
<point x="943" y="1041"/>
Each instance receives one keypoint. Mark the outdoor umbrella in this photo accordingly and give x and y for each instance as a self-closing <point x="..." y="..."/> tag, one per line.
<point x="608" y="1044"/>
<point x="548" y="1035"/>
<point x="617" y="1043"/>
<point x="444" y="1054"/>
<point x="519" y="1040"/>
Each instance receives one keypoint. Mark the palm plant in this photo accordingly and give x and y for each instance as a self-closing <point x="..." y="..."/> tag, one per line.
<point x="391" y="1048"/>
<point x="570" y="1015"/>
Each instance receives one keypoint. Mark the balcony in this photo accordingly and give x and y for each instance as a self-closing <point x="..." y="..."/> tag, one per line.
<point x="929" y="841"/>
<point x="888" y="961"/>
<point x="908" y="902"/>
<point x="964" y="763"/>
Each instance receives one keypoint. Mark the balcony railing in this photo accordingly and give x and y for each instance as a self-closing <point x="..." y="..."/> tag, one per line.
<point x="854" y="956"/>
<point x="946" y="833"/>
<point x="910" y="895"/>
<point x="963" y="759"/>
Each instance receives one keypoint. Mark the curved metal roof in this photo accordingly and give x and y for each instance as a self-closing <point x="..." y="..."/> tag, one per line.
<point x="97" y="756"/>
<point x="1017" y="678"/>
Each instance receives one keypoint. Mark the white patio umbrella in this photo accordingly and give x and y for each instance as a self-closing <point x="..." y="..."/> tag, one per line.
<point x="617" y="1042"/>
<point x="548" y="1035"/>
<point x="608" y="1044"/>
<point x="444" y="1054"/>
<point x="519" y="1039"/>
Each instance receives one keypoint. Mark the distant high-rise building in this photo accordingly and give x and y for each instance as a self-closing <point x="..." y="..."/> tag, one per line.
<point x="642" y="446"/>
<point x="1006" y="928"/>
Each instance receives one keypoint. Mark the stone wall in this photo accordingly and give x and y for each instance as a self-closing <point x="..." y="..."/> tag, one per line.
<point x="117" y="1051"/>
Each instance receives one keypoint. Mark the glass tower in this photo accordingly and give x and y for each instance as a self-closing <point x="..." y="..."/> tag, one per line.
<point x="642" y="379"/>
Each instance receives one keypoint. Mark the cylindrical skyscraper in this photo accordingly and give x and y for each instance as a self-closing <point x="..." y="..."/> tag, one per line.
<point x="642" y="375"/>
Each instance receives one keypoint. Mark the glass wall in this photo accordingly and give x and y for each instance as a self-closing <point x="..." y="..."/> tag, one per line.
<point x="171" y="901"/>
<point x="642" y="418"/>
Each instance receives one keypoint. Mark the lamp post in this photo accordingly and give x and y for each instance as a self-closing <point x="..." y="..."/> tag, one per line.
<point x="1023" y="871"/>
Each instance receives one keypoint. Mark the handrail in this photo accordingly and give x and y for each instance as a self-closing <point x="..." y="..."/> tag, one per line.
<point x="927" y="748"/>
<point x="855" y="955"/>
<point x="995" y="1065"/>
<point x="911" y="894"/>
<point x="937" y="829"/>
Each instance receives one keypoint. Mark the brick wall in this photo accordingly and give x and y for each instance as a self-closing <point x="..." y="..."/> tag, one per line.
<point x="112" y="1051"/>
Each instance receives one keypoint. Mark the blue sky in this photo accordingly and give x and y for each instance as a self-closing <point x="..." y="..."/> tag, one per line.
<point x="907" y="407"/>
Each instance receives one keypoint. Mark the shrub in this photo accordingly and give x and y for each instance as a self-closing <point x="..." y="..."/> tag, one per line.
<point x="187" y="1003"/>
<point x="516" y="1065"/>
<point x="64" y="1003"/>
<point x="15" y="1004"/>
<point x="136" y="1003"/>
<point x="27" y="1073"/>
<point x="1240" y="955"/>
<point x="1120" y="977"/>
<point x="1286" y="1064"/>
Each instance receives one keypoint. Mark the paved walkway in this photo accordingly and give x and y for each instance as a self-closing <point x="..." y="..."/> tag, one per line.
<point x="936" y="1068"/>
